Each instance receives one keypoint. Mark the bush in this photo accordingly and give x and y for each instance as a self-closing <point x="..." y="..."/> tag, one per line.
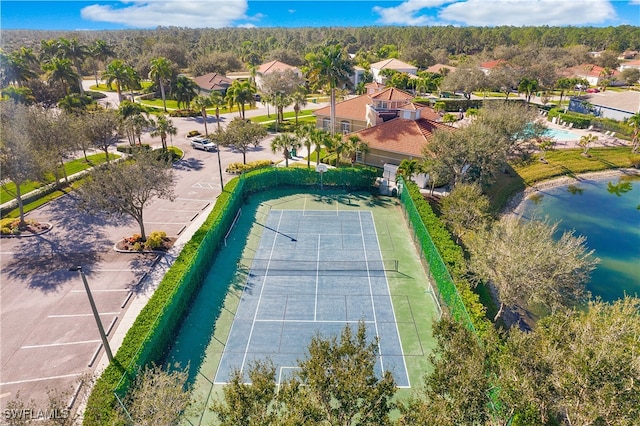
<point x="131" y="149"/>
<point x="184" y="113"/>
<point x="155" y="240"/>
<point x="237" y="168"/>
<point x="193" y="133"/>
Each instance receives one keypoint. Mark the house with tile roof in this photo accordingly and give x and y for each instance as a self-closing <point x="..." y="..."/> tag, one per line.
<point x="487" y="67"/>
<point x="212" y="82"/>
<point x="438" y="69"/>
<point x="403" y="137"/>
<point x="391" y="64"/>
<point x="364" y="111"/>
<point x="594" y="74"/>
<point x="629" y="64"/>
<point x="271" y="67"/>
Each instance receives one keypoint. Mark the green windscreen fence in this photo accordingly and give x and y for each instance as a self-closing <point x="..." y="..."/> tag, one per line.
<point x="446" y="290"/>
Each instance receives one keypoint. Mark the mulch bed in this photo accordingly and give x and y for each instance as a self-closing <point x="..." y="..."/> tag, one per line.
<point x="32" y="228"/>
<point x="125" y="246"/>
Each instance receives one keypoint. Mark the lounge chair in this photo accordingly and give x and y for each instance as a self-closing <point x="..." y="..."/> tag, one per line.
<point x="570" y="125"/>
<point x="590" y="127"/>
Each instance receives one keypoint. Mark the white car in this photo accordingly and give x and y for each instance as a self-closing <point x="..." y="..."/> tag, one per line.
<point x="203" y="143"/>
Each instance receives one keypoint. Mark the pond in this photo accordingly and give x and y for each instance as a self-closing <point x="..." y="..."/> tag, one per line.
<point x="607" y="212"/>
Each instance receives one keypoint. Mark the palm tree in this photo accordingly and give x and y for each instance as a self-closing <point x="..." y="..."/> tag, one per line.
<point x="161" y="70"/>
<point x="117" y="71"/>
<point x="14" y="69"/>
<point x="352" y="146"/>
<point x="184" y="90"/>
<point x="76" y="53"/>
<point x="408" y="168"/>
<point x="528" y="86"/>
<point x="241" y="93"/>
<point x="59" y="69"/>
<point x="163" y="127"/>
<point x="201" y="104"/>
<point x="133" y="118"/>
<point x="217" y="101"/>
<point x="585" y="142"/>
<point x="285" y="142"/>
<point x="330" y="66"/>
<point x="563" y="84"/>
<point x="100" y="51"/>
<point x="634" y="121"/>
<point x="299" y="98"/>
<point x="22" y="95"/>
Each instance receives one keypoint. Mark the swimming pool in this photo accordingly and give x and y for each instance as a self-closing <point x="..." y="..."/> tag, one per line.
<point x="562" y="135"/>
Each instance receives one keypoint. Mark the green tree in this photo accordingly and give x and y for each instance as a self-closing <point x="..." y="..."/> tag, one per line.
<point x="125" y="188"/>
<point x="528" y="86"/>
<point x="163" y="127"/>
<point x="585" y="143"/>
<point x="133" y="118"/>
<point x="299" y="98"/>
<point x="161" y="71"/>
<point x="457" y="392"/>
<point x="100" y="129"/>
<point x="563" y="84"/>
<point x="630" y="75"/>
<point x="22" y="95"/>
<point x="285" y="142"/>
<point x="408" y="168"/>
<point x="242" y="134"/>
<point x="330" y="65"/>
<point x="119" y="72"/>
<point x="184" y="90"/>
<point x="526" y="265"/>
<point x="100" y="51"/>
<point x="14" y="69"/>
<point x="465" y="80"/>
<point x="217" y="102"/>
<point x="76" y="52"/>
<point x="241" y="93"/>
<point x="352" y="146"/>
<point x="465" y="209"/>
<point x="59" y="69"/>
<point x="201" y="103"/>
<point x="18" y="159"/>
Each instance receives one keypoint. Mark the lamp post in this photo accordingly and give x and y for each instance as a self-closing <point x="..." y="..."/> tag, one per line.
<point x="103" y="336"/>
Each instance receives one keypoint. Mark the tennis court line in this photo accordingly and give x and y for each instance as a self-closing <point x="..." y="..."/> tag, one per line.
<point x="264" y="279"/>
<point x="366" y="262"/>
<point x="296" y="321"/>
<point x="393" y="309"/>
<point x="315" y="303"/>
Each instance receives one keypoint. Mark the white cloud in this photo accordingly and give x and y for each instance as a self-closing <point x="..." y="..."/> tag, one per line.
<point x="634" y="2"/>
<point x="153" y="13"/>
<point x="294" y="11"/>
<point x="498" y="12"/>
<point x="528" y="12"/>
<point x="407" y="13"/>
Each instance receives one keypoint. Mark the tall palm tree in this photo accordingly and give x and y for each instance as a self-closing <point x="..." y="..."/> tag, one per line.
<point x="14" y="69"/>
<point x="48" y="50"/>
<point x="285" y="142"/>
<point x="133" y="118"/>
<point x="184" y="90"/>
<point x="634" y="121"/>
<point x="163" y="127"/>
<point x="76" y="53"/>
<point x="299" y="98"/>
<point x="117" y="71"/>
<point x="59" y="69"/>
<point x="330" y="66"/>
<point x="161" y="70"/>
<point x="241" y="93"/>
<point x="22" y="95"/>
<point x="217" y="102"/>
<point x="528" y="86"/>
<point x="201" y="103"/>
<point x="563" y="84"/>
<point x="100" y="51"/>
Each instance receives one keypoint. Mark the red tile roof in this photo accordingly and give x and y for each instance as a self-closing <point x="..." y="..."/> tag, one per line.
<point x="437" y="67"/>
<point x="407" y="137"/>
<point x="391" y="94"/>
<point x="489" y="65"/>
<point x="273" y="66"/>
<point x="353" y="109"/>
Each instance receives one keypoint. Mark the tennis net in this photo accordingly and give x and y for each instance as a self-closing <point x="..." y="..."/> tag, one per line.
<point x="313" y="267"/>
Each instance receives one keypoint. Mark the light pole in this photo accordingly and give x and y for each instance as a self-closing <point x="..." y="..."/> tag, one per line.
<point x="103" y="336"/>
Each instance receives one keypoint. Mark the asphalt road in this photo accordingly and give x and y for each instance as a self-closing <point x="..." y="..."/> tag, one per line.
<point x="48" y="336"/>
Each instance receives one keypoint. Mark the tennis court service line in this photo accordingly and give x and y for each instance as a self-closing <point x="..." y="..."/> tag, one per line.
<point x="315" y="303"/>
<point x="366" y="262"/>
<point x="264" y="279"/>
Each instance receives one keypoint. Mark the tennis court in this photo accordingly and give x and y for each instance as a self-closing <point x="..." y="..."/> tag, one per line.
<point x="314" y="271"/>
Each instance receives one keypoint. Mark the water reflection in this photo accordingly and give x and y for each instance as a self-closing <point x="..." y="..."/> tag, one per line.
<point x="622" y="187"/>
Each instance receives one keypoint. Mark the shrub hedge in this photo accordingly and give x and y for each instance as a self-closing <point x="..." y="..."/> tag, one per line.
<point x="154" y="328"/>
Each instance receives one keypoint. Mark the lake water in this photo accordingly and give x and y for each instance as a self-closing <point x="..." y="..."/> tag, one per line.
<point x="607" y="212"/>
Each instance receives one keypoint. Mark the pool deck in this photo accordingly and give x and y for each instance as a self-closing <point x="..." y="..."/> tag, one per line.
<point x="603" y="140"/>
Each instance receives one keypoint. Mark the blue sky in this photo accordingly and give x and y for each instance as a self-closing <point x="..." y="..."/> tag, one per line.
<point x="88" y="15"/>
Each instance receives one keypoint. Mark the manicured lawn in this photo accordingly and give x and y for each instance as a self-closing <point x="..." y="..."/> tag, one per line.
<point x="45" y="199"/>
<point x="287" y="115"/>
<point x="71" y="167"/>
<point x="173" y="105"/>
<point x="104" y="88"/>
<point x="567" y="162"/>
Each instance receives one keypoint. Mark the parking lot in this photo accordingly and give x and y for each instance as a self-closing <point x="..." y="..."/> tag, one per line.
<point x="48" y="334"/>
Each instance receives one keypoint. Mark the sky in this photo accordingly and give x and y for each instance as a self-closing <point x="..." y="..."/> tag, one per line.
<point x="111" y="15"/>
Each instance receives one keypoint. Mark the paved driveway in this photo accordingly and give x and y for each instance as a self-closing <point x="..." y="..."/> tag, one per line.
<point x="47" y="332"/>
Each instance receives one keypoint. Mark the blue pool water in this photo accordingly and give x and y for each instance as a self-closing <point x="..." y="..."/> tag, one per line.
<point x="607" y="212"/>
<point x="562" y="135"/>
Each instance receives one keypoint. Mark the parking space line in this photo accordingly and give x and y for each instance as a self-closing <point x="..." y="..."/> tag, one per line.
<point x="113" y="290"/>
<point x="195" y="200"/>
<point x="50" y="345"/>
<point x="39" y="379"/>
<point x="81" y="315"/>
<point x="181" y="210"/>
<point x="164" y="223"/>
